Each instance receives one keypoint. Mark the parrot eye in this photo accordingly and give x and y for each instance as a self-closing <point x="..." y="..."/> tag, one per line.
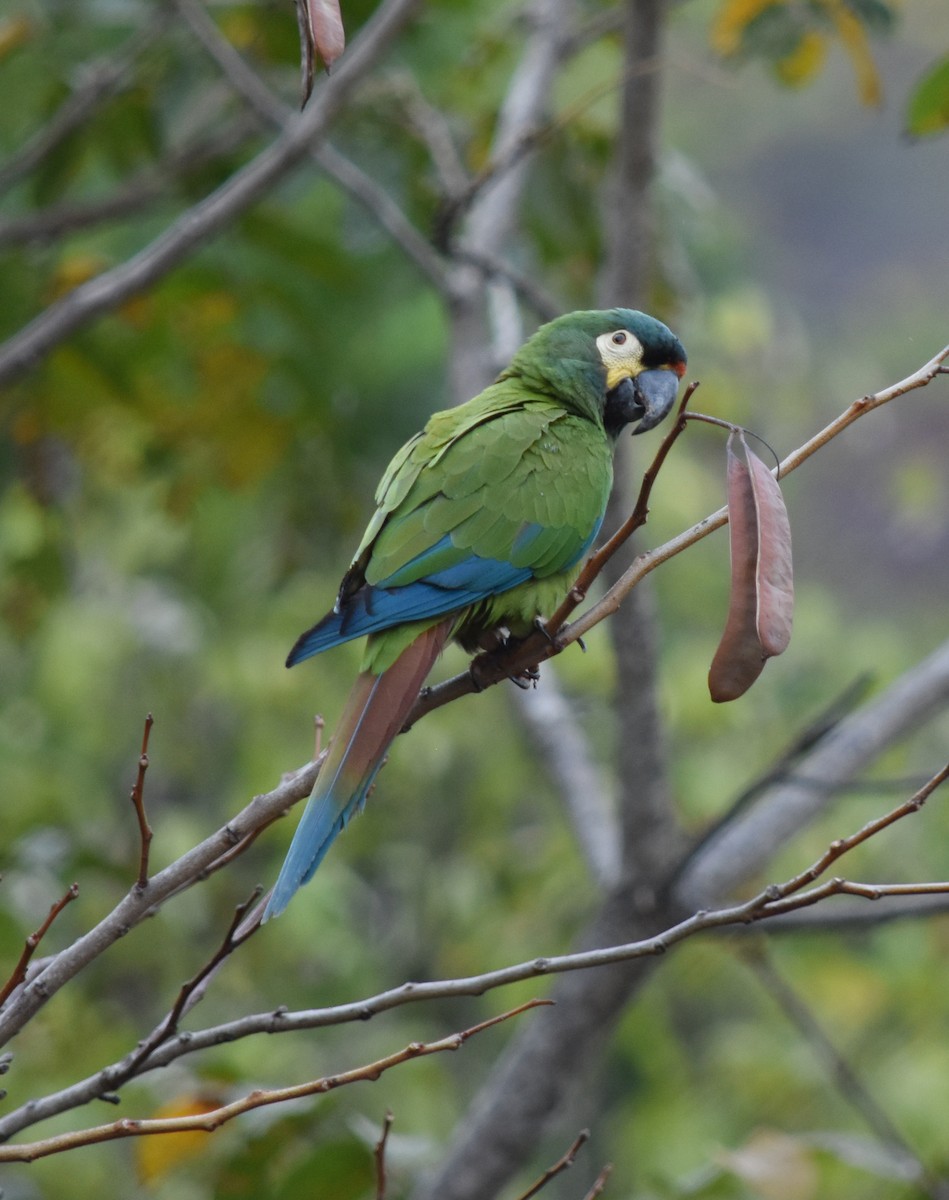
<point x="619" y="338"/>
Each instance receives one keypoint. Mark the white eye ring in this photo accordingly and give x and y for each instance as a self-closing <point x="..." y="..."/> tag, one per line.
<point x="619" y="338"/>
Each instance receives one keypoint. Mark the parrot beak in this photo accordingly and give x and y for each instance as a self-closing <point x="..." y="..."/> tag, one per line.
<point x="655" y="393"/>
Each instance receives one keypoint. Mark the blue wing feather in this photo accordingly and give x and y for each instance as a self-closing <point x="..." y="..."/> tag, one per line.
<point x="374" y="608"/>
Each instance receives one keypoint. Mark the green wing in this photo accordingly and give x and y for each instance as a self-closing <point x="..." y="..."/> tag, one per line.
<point x="519" y="482"/>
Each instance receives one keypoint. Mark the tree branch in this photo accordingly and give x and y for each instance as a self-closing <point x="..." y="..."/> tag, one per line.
<point x="772" y="902"/>
<point x="152" y="185"/>
<point x="140" y="903"/>
<point x="98" y="82"/>
<point x="210" y="1121"/>
<point x="194" y="227"/>
<point x="489" y="669"/>
<point x="725" y="860"/>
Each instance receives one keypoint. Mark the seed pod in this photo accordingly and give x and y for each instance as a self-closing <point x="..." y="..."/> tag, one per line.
<point x="775" y="574"/>
<point x="322" y="33"/>
<point x="762" y="594"/>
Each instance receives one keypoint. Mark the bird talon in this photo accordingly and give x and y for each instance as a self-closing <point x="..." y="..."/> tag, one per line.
<point x="526" y="679"/>
<point x="540" y="626"/>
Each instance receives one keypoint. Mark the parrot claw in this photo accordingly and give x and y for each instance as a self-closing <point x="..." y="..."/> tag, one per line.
<point x="527" y="679"/>
<point x="540" y="626"/>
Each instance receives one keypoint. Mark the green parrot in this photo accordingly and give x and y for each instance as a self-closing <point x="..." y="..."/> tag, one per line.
<point x="481" y="523"/>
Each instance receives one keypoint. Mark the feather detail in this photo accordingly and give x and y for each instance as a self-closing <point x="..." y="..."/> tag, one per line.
<point x="375" y="712"/>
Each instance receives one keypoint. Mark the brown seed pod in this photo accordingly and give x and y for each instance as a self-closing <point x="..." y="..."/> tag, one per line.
<point x="775" y="574"/>
<point x="762" y="595"/>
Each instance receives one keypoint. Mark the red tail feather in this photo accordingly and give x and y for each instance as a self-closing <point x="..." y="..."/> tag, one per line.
<point x="375" y="712"/>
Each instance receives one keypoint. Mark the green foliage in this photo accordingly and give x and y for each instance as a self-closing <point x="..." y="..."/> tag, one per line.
<point x="794" y="38"/>
<point x="928" y="109"/>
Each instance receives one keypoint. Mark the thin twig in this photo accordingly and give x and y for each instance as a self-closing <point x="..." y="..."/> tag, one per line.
<point x="136" y="905"/>
<point x="98" y="83"/>
<point x="271" y="111"/>
<point x="155" y="184"/>
<point x="379" y="1155"/>
<point x="29" y="949"/>
<point x="210" y="1121"/>
<point x="137" y="797"/>
<point x="637" y="518"/>
<point x="599" y="1184"/>
<point x="169" y="1026"/>
<point x="565" y="1161"/>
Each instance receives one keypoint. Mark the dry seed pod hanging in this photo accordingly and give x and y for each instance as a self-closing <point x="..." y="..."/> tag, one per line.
<point x="322" y="33"/>
<point x="762" y="591"/>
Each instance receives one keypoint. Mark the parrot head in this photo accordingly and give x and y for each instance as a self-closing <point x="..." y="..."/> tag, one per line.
<point x="615" y="365"/>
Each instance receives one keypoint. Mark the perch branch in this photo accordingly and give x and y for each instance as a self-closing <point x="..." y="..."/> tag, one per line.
<point x="488" y="669"/>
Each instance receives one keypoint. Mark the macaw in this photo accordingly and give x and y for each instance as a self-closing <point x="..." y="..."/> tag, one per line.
<point x="481" y="523"/>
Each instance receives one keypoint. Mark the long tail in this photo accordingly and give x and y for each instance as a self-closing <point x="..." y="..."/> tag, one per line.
<point x="375" y="712"/>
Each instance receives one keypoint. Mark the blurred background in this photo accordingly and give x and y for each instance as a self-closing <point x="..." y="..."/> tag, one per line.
<point x="184" y="481"/>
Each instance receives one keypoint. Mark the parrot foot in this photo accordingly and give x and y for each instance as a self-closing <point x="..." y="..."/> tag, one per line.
<point x="526" y="679"/>
<point x="540" y="626"/>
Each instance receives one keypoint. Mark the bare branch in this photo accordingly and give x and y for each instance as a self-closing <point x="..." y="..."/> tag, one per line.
<point x="194" y="227"/>
<point x="233" y="938"/>
<point x="140" y="903"/>
<point x="262" y="1097"/>
<point x="134" y="196"/>
<point x="770" y="903"/>
<point x="379" y="1155"/>
<point x="138" y="803"/>
<point x="599" y="1184"/>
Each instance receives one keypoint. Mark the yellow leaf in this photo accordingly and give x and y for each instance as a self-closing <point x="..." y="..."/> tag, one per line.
<point x="854" y="39"/>
<point x="733" y="18"/>
<point x="803" y="63"/>
<point x="14" y="31"/>
<point x="159" y="1153"/>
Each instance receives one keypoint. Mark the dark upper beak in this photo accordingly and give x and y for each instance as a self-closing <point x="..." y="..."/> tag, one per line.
<point x="655" y="393"/>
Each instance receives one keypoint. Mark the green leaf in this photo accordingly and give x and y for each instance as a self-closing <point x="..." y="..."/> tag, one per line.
<point x="928" y="109"/>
